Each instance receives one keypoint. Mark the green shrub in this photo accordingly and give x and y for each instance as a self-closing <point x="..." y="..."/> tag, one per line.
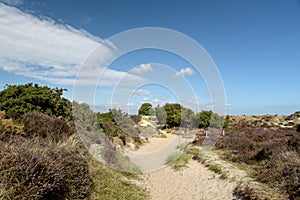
<point x="178" y="160"/>
<point x="33" y="169"/>
<point x="32" y="97"/>
<point x="195" y="152"/>
<point x="215" y="168"/>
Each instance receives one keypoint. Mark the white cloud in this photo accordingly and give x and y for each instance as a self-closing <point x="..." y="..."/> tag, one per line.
<point x="141" y="92"/>
<point x="142" y="69"/>
<point x="146" y="100"/>
<point x="185" y="72"/>
<point x="40" y="48"/>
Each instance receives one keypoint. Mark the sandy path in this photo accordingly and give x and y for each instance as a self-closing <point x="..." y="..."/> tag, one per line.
<point x="156" y="144"/>
<point x="153" y="155"/>
<point x="194" y="182"/>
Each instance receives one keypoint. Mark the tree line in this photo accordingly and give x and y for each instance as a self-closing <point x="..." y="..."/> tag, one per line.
<point x="175" y="115"/>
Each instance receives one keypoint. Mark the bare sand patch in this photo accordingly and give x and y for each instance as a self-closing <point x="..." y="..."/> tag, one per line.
<point x="194" y="182"/>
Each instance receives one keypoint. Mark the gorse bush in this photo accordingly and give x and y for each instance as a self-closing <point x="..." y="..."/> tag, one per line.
<point x="32" y="97"/>
<point x="33" y="169"/>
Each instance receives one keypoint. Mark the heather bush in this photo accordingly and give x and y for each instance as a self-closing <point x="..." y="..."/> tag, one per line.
<point x="33" y="169"/>
<point x="42" y="125"/>
<point x="282" y="170"/>
<point x="136" y="118"/>
<point x="273" y="155"/>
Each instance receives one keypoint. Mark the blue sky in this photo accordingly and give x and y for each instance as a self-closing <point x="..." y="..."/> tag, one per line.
<point x="255" y="45"/>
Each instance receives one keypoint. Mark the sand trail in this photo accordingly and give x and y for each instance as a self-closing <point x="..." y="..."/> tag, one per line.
<point x="194" y="182"/>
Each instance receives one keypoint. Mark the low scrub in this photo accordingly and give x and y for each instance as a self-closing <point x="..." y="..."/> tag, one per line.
<point x="272" y="155"/>
<point x="35" y="169"/>
<point x="44" y="126"/>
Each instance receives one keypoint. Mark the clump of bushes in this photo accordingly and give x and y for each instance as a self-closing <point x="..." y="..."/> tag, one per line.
<point x="35" y="169"/>
<point x="31" y="97"/>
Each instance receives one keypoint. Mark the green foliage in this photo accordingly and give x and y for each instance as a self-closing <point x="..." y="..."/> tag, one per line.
<point x="215" y="168"/>
<point x="188" y="118"/>
<point x="210" y="119"/>
<point x="108" y="124"/>
<point x="32" y="97"/>
<point x="173" y="112"/>
<point x="226" y="122"/>
<point x="216" y="121"/>
<point x="204" y="117"/>
<point x="161" y="115"/>
<point x="178" y="160"/>
<point x="112" y="184"/>
<point x="121" y="118"/>
<point x="84" y="118"/>
<point x="145" y="109"/>
<point x="195" y="152"/>
<point x="174" y="115"/>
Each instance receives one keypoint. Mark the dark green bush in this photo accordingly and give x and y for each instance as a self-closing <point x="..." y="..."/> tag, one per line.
<point x="145" y="109"/>
<point x="32" y="97"/>
<point x="33" y="169"/>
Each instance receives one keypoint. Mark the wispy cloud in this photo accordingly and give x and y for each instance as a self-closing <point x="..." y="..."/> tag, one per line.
<point x="141" y="92"/>
<point x="39" y="47"/>
<point x="12" y="2"/>
<point x="142" y="69"/>
<point x="185" y="72"/>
